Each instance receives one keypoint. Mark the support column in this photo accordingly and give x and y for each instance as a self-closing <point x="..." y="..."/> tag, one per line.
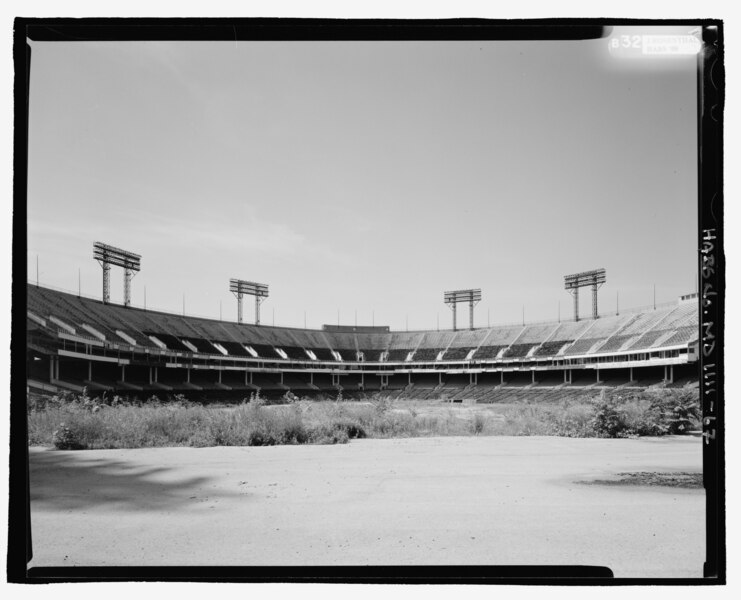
<point x="128" y="274"/>
<point x="631" y="374"/>
<point x="595" y="315"/>
<point x="90" y="370"/>
<point x="220" y="372"/>
<point x="533" y="372"/>
<point x="410" y="378"/>
<point x="187" y="375"/>
<point x="123" y="373"/>
<point x="597" y="371"/>
<point x="501" y="377"/>
<point x="311" y="378"/>
<point x="671" y="373"/>
<point x="106" y="283"/>
<point x="470" y="314"/>
<point x="439" y="378"/>
<point x="156" y="374"/>
<point x="565" y="378"/>
<point x="150" y="376"/>
<point x="575" y="293"/>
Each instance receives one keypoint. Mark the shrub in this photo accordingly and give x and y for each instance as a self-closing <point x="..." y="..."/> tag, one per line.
<point x="478" y="423"/>
<point x="66" y="438"/>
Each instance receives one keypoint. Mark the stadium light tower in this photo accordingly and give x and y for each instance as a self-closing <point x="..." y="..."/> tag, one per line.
<point x="595" y="279"/>
<point x="473" y="297"/>
<point x="110" y="255"/>
<point x="259" y="290"/>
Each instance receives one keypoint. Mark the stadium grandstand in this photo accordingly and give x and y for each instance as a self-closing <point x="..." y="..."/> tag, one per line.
<point x="75" y="342"/>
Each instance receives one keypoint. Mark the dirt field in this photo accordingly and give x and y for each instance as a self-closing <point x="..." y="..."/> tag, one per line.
<point x="474" y="500"/>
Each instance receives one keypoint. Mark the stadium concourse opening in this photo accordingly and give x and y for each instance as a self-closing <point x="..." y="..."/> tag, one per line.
<point x="76" y="342"/>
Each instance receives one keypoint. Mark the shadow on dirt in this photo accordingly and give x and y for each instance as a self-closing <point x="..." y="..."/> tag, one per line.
<point x="73" y="481"/>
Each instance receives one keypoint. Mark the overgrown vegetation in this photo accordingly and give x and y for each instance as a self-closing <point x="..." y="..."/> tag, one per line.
<point x="71" y="421"/>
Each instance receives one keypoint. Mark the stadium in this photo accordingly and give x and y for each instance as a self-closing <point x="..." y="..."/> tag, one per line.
<point x="469" y="180"/>
<point x="76" y="342"/>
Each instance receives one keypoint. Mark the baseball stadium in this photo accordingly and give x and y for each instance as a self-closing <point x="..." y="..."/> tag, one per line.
<point x="76" y="342"/>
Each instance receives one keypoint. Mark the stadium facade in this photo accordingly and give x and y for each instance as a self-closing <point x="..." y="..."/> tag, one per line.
<point x="75" y="342"/>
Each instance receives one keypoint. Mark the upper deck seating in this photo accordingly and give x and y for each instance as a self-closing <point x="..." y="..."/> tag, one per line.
<point x="459" y="353"/>
<point x="517" y="350"/>
<point x="426" y="354"/>
<point x="398" y="355"/>
<point x="487" y="352"/>
<point x="551" y="348"/>
<point x="323" y="354"/>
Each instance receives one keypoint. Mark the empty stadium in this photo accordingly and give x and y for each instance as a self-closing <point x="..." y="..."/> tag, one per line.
<point x="77" y="342"/>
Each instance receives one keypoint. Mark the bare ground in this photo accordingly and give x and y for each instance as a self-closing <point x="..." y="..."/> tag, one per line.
<point x="474" y="500"/>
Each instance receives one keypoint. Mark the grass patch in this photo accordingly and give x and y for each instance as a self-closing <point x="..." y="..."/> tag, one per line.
<point x="72" y="421"/>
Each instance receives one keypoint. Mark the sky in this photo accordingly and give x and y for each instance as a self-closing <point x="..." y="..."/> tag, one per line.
<point x="364" y="177"/>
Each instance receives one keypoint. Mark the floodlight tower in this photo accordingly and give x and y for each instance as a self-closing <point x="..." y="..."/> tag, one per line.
<point x="110" y="255"/>
<point x="473" y="297"/>
<point x="259" y="290"/>
<point x="595" y="279"/>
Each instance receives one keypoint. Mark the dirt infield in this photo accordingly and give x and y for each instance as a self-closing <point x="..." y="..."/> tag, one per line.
<point x="476" y="500"/>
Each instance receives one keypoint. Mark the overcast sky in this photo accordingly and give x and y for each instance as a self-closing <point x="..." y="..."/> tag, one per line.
<point x="366" y="176"/>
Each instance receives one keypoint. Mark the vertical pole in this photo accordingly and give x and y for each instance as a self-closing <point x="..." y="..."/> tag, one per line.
<point x="239" y="307"/>
<point x="575" y="293"/>
<point x="470" y="315"/>
<point x="595" y="314"/>
<point x="533" y="373"/>
<point x="454" y="315"/>
<point x="123" y="373"/>
<point x="127" y="286"/>
<point x="257" y="311"/>
<point x="106" y="283"/>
